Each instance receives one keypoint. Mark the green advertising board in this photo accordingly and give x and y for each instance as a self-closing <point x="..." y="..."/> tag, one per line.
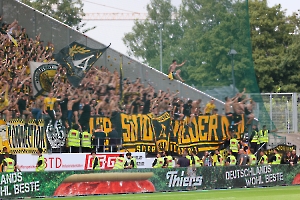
<point x="71" y="183"/>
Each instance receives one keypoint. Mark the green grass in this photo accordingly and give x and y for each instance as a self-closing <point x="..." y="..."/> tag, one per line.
<point x="271" y="193"/>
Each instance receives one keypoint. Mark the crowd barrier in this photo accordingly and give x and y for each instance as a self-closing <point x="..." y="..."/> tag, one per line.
<point x="72" y="183"/>
<point x="143" y="133"/>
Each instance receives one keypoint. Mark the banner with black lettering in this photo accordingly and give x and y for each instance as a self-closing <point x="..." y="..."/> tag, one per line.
<point x="147" y="133"/>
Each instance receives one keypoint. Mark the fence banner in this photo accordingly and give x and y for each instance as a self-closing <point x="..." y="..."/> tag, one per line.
<point x="151" y="134"/>
<point x="71" y="183"/>
<point x="74" y="161"/>
<point x="139" y="133"/>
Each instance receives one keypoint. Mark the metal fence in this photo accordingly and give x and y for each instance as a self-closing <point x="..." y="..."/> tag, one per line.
<point x="61" y="35"/>
<point x="283" y="110"/>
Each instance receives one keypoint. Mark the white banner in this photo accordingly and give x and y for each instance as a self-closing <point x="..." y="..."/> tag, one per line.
<point x="74" y="161"/>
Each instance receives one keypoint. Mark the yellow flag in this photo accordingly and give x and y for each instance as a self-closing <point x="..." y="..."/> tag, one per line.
<point x="12" y="39"/>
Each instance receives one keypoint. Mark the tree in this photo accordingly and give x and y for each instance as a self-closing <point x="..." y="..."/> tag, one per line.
<point x="66" y="11"/>
<point x="270" y="40"/>
<point x="143" y="41"/>
<point x="215" y="26"/>
<point x="205" y="31"/>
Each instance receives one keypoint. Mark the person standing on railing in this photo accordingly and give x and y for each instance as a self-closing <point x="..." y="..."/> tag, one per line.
<point x="37" y="109"/>
<point x="173" y="73"/>
<point x="49" y="107"/>
<point x="85" y="115"/>
<point x="41" y="164"/>
<point x="210" y="106"/>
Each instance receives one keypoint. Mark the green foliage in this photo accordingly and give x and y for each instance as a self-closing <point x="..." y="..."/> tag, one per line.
<point x="66" y="11"/>
<point x="203" y="33"/>
<point x="205" y="30"/>
<point x="143" y="41"/>
<point x="275" y="49"/>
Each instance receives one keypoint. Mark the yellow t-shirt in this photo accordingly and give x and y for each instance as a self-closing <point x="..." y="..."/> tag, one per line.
<point x="209" y="107"/>
<point x="49" y="103"/>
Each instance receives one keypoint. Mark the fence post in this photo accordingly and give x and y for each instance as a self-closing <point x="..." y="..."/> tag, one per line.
<point x="295" y="112"/>
<point x="271" y="111"/>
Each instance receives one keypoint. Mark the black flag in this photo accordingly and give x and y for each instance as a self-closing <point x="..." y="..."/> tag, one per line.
<point x="78" y="60"/>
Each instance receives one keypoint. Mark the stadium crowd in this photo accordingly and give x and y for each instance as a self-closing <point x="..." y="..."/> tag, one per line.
<point x="98" y="94"/>
<point x="100" y="88"/>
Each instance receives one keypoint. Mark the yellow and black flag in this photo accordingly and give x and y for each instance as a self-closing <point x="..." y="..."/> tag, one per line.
<point x="78" y="60"/>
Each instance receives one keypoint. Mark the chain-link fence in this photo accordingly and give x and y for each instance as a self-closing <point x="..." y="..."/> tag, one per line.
<point x="282" y="109"/>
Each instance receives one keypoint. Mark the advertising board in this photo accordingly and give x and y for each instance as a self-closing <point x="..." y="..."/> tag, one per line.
<point x="74" y="161"/>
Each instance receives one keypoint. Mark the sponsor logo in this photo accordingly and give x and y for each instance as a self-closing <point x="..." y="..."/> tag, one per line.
<point x="180" y="180"/>
<point x="107" y="161"/>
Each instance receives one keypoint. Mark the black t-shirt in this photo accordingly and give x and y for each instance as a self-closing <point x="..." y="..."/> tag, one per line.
<point x="75" y="106"/>
<point x="237" y="118"/>
<point x="64" y="104"/>
<point x="177" y="107"/>
<point x="135" y="107"/>
<point x="86" y="112"/>
<point x="114" y="138"/>
<point x="21" y="104"/>
<point x="187" y="109"/>
<point x="183" y="162"/>
<point x="146" y="108"/>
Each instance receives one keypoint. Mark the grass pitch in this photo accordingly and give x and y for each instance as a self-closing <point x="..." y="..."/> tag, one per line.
<point x="271" y="193"/>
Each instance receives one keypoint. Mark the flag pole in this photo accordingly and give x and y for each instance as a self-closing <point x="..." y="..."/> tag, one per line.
<point x="121" y="81"/>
